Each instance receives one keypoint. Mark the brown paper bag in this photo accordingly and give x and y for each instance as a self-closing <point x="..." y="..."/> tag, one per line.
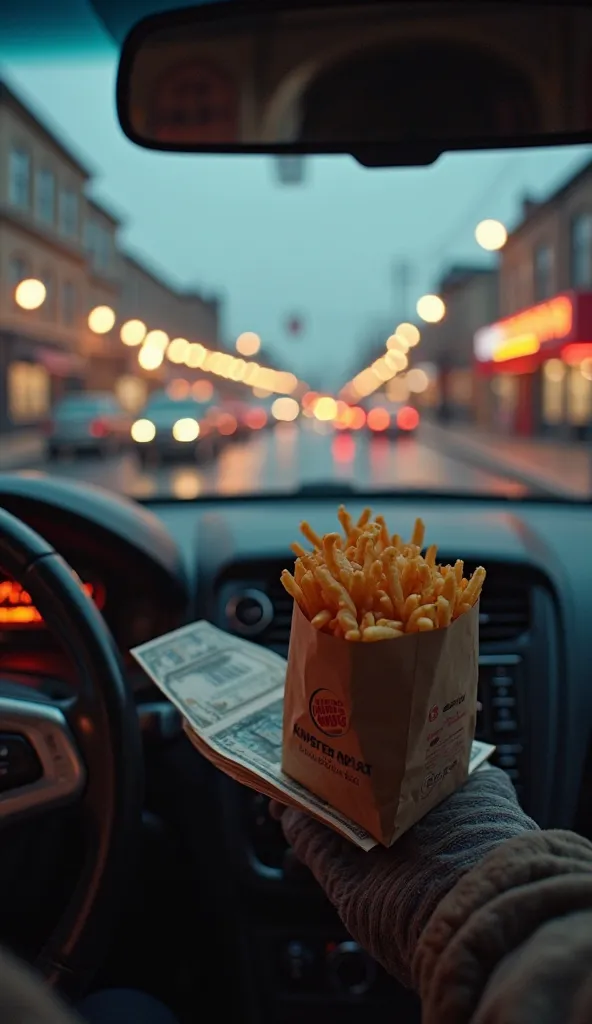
<point x="381" y="731"/>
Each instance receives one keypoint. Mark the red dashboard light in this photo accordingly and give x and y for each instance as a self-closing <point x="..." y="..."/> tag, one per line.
<point x="407" y="418"/>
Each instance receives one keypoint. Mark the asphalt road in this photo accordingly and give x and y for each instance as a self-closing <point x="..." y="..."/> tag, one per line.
<point x="286" y="459"/>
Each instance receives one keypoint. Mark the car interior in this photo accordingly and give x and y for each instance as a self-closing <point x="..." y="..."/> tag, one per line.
<point x="127" y="859"/>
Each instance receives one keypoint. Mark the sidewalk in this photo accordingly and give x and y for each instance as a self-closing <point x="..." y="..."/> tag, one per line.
<point x="19" y="451"/>
<point x="554" y="467"/>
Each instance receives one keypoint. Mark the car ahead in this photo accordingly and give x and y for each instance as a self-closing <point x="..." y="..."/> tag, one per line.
<point x="90" y="421"/>
<point x="171" y="429"/>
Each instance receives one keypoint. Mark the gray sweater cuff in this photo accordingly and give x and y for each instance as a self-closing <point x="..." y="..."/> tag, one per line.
<point x="385" y="898"/>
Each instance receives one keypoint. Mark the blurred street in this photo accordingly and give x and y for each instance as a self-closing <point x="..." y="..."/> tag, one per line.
<point x="282" y="461"/>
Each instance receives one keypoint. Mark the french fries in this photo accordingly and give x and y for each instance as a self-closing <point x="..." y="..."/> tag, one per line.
<point x="368" y="585"/>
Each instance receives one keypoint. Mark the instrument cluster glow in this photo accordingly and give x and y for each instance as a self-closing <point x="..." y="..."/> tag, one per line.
<point x="17" y="608"/>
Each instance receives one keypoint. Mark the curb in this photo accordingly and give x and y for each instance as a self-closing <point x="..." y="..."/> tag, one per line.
<point x="480" y="458"/>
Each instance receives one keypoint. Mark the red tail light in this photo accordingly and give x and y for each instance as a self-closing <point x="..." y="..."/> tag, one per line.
<point x="98" y="428"/>
<point x="407" y="418"/>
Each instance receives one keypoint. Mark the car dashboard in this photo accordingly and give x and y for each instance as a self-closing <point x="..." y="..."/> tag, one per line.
<point x="157" y="566"/>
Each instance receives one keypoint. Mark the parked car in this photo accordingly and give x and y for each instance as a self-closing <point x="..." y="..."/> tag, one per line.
<point x="169" y="428"/>
<point x="89" y="421"/>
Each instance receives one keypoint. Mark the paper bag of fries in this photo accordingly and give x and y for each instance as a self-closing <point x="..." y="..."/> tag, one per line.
<point x="381" y="686"/>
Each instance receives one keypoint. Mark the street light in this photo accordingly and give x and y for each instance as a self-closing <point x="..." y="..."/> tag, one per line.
<point x="431" y="309"/>
<point x="30" y="293"/>
<point x="248" y="343"/>
<point x="409" y="333"/>
<point x="491" y="235"/>
<point x="157" y="340"/>
<point x="133" y="332"/>
<point x="101" y="319"/>
<point x="150" y="357"/>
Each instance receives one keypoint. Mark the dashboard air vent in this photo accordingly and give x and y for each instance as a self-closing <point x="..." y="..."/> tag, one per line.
<point x="505" y="610"/>
<point x="256" y="606"/>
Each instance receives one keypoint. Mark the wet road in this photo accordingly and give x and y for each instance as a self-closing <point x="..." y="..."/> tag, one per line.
<point x="286" y="459"/>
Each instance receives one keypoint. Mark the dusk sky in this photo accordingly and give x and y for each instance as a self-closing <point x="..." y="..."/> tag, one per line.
<point x="324" y="250"/>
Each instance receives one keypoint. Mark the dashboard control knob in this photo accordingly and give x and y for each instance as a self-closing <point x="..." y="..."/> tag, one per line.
<point x="351" y="971"/>
<point x="299" y="962"/>
<point x="249" y="612"/>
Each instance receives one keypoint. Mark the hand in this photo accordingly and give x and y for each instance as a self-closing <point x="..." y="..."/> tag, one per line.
<point x="386" y="897"/>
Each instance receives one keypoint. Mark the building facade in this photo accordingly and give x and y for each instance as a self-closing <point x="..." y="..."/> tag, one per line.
<point x="470" y="294"/>
<point x="52" y="230"/>
<point x="535" y="361"/>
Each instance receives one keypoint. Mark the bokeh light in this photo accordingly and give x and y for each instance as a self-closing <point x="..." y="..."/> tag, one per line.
<point x="203" y="390"/>
<point x="227" y="424"/>
<point x="407" y="418"/>
<point x="285" y="409"/>
<point x="248" y="343"/>
<point x="431" y="308"/>
<point x="554" y="370"/>
<point x="143" y="431"/>
<point x="133" y="332"/>
<point x="357" y="418"/>
<point x="157" y="339"/>
<point x="177" y="350"/>
<point x="150" y="357"/>
<point x="491" y="235"/>
<point x="178" y="389"/>
<point x="325" y="408"/>
<point x="256" y="418"/>
<point x="417" y="380"/>
<point x="101" y="319"/>
<point x="30" y="293"/>
<point x="195" y="355"/>
<point x="397" y="343"/>
<point x="186" y="429"/>
<point x="379" y="419"/>
<point x="409" y="332"/>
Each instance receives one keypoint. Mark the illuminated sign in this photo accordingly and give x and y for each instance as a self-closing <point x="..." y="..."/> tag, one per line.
<point x="524" y="333"/>
<point x="17" y="608"/>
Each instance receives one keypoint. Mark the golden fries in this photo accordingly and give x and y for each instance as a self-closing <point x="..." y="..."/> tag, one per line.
<point x="368" y="585"/>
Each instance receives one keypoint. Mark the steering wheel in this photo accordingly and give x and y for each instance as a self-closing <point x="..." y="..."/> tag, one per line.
<point x="87" y="748"/>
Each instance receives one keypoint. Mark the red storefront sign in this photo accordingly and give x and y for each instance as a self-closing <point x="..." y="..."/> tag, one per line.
<point x="559" y="328"/>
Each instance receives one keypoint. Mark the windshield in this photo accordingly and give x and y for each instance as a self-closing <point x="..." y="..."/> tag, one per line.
<point x="392" y="329"/>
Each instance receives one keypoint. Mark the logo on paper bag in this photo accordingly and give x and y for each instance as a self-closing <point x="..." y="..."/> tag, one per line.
<point x="434" y="778"/>
<point x="329" y="713"/>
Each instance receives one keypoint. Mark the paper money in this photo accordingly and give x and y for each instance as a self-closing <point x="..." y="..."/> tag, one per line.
<point x="230" y="693"/>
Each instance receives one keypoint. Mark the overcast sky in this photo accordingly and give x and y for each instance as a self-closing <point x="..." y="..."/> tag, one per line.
<point x="325" y="250"/>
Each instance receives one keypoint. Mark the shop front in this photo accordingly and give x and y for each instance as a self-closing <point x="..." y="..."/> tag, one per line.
<point x="33" y="377"/>
<point x="533" y="370"/>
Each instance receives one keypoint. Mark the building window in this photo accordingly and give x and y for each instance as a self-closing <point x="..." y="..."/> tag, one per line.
<point x="45" y="195"/>
<point x="581" y="251"/>
<point x="19" y="178"/>
<point x="98" y="245"/>
<point x="69" y="213"/>
<point x="18" y="270"/>
<point x="68" y="303"/>
<point x="543" y="273"/>
<point x="28" y="387"/>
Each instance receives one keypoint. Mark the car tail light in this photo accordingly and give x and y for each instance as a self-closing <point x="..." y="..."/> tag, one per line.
<point x="407" y="418"/>
<point x="98" y="428"/>
<point x="47" y="427"/>
<point x="378" y="419"/>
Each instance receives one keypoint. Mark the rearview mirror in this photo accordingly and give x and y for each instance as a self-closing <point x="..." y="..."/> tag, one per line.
<point x="390" y="82"/>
